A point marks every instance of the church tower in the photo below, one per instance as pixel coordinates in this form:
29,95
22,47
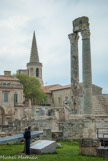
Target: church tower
34,67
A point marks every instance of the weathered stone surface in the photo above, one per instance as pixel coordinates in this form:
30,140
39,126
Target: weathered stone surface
43,147
74,72
80,24
89,146
95,151
88,151
62,116
87,74
89,142
57,135
47,135
78,126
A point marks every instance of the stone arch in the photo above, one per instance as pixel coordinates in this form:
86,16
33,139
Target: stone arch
31,72
2,116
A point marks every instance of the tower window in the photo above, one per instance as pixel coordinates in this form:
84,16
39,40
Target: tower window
28,71
37,72
31,72
15,98
5,97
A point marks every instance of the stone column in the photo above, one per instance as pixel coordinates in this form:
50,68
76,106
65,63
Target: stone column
73,37
87,76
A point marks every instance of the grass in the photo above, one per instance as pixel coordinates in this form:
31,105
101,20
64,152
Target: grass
68,152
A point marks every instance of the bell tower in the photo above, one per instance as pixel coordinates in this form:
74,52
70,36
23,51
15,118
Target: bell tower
34,67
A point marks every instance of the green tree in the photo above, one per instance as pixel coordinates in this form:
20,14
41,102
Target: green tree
32,88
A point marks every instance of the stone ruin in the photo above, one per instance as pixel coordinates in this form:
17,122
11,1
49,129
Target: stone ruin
81,25
68,127
80,126
75,126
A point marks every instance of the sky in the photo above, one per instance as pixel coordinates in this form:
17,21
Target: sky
52,22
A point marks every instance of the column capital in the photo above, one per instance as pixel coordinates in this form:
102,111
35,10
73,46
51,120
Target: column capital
73,37
85,34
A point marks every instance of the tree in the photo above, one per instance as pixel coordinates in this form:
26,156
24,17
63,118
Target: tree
32,88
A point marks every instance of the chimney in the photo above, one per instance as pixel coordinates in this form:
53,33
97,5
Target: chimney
7,73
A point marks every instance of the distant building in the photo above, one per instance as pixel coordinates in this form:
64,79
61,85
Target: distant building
11,99
57,95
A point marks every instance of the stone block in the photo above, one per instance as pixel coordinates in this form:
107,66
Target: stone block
80,23
43,147
89,146
89,142
47,134
88,151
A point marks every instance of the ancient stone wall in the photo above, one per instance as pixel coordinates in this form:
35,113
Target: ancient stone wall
75,128
18,126
78,127
99,105
59,96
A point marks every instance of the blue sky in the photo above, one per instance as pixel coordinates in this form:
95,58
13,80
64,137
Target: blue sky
52,22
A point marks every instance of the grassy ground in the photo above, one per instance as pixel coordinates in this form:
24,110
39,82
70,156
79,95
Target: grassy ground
68,152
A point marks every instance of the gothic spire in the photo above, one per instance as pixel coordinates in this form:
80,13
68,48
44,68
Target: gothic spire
34,52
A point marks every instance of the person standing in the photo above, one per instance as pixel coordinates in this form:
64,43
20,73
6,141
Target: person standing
24,134
27,140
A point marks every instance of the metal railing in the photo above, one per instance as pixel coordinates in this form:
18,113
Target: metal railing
102,133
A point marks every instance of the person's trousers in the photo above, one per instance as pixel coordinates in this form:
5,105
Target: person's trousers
28,146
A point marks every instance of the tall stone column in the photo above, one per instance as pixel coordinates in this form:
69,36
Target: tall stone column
74,71
87,74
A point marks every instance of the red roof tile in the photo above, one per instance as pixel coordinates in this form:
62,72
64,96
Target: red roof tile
7,78
62,87
47,89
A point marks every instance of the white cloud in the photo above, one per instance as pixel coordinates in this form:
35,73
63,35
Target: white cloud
52,21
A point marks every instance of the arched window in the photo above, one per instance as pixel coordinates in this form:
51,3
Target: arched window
28,71
31,72
15,98
37,72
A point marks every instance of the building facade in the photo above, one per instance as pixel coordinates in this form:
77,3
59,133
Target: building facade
57,95
11,99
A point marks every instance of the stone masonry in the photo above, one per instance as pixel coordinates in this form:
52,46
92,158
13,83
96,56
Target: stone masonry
74,71
81,25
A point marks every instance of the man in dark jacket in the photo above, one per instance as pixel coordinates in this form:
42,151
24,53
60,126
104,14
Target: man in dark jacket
24,134
27,137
